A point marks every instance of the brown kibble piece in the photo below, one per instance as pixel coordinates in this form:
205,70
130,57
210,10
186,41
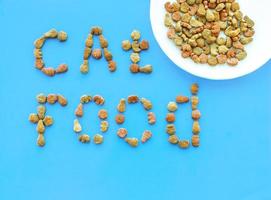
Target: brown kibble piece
79,110
38,53
104,126
99,100
182,99
144,44
41,98
194,102
39,63
120,118
48,121
40,127
40,140
194,88
103,41
133,99
196,128
171,130
98,139
52,98
121,107
41,111
62,100
122,132
170,117
49,71
96,30
85,99
61,68
173,139
51,33
62,36
134,68
107,55
84,138
33,118
102,114
112,66
133,142
39,42
151,118
184,144
146,103
196,114
195,141
146,136
97,53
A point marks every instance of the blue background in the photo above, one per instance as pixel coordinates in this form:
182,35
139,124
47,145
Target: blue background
233,161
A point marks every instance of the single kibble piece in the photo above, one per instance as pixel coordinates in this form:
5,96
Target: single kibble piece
33,118
52,98
133,99
135,35
102,114
196,114
38,53
62,68
135,58
196,127
96,30
89,41
194,102
146,136
194,88
173,139
62,100
133,142
126,45
172,106
77,126
98,139
40,140
51,33
120,118
98,99
85,99
84,68
147,69
104,126
195,141
39,42
134,68
170,117
146,103
135,47
170,129
79,110
62,36
184,144
40,127
112,66
121,107
48,121
107,55
41,98
39,63
182,99
151,118
97,53
122,132
144,44
49,71
103,41
41,111
84,138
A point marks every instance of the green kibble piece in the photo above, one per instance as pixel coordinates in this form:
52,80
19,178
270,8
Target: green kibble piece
173,139
178,41
197,51
135,35
186,18
191,2
201,10
84,138
184,7
168,21
210,16
195,23
98,139
222,49
250,22
85,99
221,41
126,45
246,40
214,49
241,55
220,7
212,61
200,42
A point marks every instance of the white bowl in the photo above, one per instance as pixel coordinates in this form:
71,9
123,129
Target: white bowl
259,50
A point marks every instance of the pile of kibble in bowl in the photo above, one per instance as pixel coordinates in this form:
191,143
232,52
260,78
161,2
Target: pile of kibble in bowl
209,31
